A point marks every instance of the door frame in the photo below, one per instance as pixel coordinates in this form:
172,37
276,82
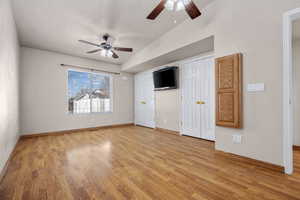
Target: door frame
288,89
189,60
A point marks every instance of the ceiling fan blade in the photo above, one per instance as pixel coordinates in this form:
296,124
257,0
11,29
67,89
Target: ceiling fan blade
94,51
191,9
90,43
123,49
114,55
157,10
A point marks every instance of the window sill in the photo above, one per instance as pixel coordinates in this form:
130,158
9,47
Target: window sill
93,113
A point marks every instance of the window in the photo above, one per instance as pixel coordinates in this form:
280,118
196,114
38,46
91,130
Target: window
89,92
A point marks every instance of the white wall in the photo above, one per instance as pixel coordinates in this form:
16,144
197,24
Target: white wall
44,101
259,37
296,61
9,85
167,105
167,109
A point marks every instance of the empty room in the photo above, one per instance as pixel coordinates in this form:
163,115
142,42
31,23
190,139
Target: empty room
149,100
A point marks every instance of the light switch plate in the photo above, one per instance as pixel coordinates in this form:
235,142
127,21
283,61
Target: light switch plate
256,87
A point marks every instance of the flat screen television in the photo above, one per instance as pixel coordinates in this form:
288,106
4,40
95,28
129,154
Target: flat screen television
166,78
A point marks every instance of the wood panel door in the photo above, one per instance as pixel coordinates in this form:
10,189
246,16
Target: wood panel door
144,100
229,91
198,99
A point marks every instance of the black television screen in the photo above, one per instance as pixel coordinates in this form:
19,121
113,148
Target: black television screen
165,79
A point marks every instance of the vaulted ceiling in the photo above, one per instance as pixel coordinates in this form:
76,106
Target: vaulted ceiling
57,25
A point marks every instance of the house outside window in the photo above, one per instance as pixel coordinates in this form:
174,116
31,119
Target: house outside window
89,92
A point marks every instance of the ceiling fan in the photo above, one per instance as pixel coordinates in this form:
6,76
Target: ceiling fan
106,49
176,5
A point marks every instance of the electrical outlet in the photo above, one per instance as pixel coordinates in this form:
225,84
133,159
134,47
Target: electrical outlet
237,139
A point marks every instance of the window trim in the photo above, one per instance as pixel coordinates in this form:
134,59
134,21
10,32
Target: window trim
111,91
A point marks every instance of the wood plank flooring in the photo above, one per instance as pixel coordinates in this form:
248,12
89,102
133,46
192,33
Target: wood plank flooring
137,163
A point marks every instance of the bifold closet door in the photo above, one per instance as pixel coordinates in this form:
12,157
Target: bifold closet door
198,99
144,100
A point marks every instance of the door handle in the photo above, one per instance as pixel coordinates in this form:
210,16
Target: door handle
200,102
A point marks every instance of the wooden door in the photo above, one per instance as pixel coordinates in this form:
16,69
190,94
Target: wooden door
229,91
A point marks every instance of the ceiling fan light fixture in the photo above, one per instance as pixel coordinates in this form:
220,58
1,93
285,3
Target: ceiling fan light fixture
179,6
170,5
109,53
106,53
174,5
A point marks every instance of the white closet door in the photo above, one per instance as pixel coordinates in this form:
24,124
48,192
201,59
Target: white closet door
190,118
198,99
144,100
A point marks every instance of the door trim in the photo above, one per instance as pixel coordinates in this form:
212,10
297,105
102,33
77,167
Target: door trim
288,93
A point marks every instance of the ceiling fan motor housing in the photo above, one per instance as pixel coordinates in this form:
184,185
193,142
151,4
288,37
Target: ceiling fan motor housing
108,39
106,46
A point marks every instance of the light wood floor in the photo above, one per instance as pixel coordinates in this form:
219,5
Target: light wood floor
137,163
